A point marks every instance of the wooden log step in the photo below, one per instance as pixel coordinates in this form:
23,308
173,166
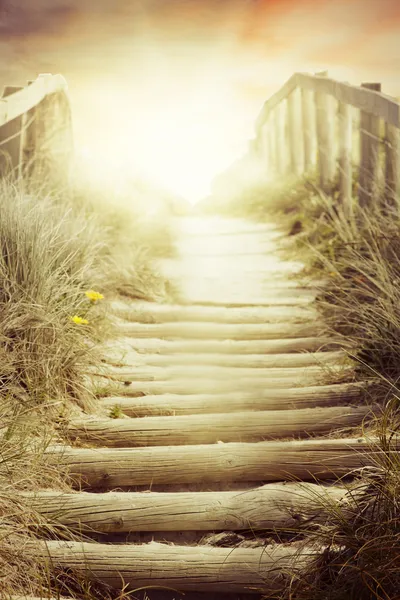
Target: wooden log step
150,373
243,361
182,568
210,384
282,346
210,429
151,312
308,460
264,399
282,297
281,505
218,331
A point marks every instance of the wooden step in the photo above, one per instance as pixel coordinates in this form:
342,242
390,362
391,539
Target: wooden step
202,385
282,346
281,505
108,468
266,399
151,312
280,297
240,361
210,429
218,331
143,372
181,568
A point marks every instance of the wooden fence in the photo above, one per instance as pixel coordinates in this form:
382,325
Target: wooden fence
347,135
35,127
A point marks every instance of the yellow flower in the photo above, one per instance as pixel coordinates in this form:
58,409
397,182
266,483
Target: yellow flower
94,296
79,321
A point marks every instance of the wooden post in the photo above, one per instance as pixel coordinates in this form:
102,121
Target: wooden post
392,173
369,152
325,133
11,139
308,129
265,159
271,146
345,156
294,134
279,139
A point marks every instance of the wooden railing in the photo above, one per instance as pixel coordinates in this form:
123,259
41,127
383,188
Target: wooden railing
35,127
347,135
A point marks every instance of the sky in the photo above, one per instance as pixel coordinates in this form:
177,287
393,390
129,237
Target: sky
170,89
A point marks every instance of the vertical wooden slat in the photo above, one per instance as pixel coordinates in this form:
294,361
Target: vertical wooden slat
392,171
307,98
325,133
265,158
295,134
345,155
271,146
11,140
279,139
369,152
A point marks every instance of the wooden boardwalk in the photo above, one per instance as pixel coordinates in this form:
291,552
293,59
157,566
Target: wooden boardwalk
231,416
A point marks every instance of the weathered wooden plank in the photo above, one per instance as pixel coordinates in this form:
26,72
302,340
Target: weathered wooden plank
325,140
219,331
295,133
169,347
266,399
392,163
270,506
308,122
247,426
369,153
147,373
22,101
203,384
151,312
182,568
11,136
240,361
345,157
373,102
306,460
369,101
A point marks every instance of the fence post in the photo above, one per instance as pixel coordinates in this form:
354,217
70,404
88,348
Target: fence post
307,118
294,134
271,145
392,171
325,132
11,140
369,152
279,139
345,156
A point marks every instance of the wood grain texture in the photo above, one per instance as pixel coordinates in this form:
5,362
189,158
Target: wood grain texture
270,506
370,101
210,429
183,568
219,331
105,468
241,361
281,346
267,399
148,312
22,101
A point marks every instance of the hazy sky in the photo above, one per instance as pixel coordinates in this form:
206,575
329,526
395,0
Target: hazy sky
184,79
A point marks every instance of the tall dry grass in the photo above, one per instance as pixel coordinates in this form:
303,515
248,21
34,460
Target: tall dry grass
56,244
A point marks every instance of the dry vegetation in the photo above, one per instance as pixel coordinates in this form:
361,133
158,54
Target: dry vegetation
56,248
359,252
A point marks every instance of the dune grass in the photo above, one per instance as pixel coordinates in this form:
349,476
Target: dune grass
63,254
358,251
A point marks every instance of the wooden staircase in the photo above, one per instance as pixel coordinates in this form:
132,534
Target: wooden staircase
232,414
